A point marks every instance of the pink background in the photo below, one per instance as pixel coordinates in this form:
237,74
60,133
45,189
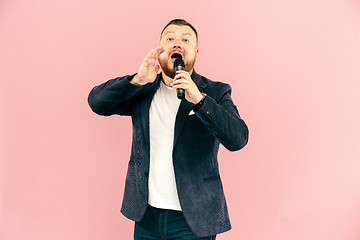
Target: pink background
294,67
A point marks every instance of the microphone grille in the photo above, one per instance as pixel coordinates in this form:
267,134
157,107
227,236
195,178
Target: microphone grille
179,62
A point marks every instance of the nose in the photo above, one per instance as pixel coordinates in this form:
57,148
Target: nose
176,45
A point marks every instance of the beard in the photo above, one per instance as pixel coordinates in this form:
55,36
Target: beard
169,70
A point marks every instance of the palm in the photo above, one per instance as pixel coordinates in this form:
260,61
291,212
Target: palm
149,68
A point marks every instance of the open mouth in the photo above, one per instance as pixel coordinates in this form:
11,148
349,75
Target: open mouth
175,56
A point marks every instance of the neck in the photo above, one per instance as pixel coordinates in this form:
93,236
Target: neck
167,80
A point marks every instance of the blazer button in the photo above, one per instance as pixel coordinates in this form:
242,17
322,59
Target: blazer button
210,115
146,174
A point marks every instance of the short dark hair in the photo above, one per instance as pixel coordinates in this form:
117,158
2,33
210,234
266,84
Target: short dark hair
180,22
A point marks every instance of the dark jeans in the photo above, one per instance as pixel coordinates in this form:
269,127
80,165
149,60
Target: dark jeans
164,224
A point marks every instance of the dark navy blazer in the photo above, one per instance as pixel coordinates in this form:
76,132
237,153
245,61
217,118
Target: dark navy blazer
196,144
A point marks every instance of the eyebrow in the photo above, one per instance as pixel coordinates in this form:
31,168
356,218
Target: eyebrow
181,34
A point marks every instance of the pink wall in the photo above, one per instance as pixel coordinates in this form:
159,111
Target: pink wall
294,67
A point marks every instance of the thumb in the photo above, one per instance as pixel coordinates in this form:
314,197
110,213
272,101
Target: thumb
157,67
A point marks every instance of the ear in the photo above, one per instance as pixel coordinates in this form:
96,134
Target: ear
196,54
197,51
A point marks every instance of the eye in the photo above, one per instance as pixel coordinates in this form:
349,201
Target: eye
169,39
186,40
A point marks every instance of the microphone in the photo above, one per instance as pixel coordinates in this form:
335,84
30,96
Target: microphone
179,65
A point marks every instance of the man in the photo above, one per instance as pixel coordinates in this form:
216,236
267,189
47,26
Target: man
173,188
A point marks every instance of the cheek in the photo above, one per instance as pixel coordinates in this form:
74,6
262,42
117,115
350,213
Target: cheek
191,55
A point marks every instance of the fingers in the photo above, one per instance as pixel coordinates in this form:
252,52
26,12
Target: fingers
182,75
158,50
154,53
149,67
182,80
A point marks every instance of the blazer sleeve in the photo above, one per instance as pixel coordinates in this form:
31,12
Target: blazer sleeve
114,96
222,118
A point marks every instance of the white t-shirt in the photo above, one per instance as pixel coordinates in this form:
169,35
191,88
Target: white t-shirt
162,185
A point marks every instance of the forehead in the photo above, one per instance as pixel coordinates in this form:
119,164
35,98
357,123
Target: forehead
179,29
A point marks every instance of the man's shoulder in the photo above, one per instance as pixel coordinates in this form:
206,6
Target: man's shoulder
214,85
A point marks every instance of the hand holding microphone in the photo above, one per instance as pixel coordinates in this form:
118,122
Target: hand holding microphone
186,88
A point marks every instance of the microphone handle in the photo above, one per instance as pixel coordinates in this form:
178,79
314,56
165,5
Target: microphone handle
180,92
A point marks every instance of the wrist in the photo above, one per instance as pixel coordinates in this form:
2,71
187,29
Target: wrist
198,98
136,80
198,105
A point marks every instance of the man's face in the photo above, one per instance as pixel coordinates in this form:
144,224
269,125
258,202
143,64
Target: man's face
178,40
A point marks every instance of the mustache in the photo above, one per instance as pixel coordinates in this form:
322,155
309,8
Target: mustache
168,68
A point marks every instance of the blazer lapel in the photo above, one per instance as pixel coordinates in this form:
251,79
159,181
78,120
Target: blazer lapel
185,107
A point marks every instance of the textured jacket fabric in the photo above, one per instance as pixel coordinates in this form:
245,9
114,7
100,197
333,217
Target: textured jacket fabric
195,152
